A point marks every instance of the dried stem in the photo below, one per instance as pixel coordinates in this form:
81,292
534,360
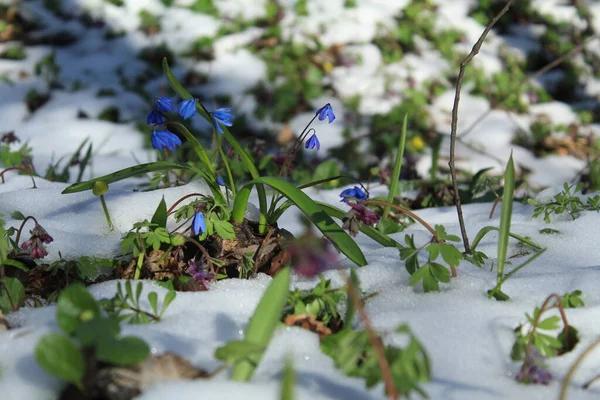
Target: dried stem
403,211
454,124
384,366
18,237
571,372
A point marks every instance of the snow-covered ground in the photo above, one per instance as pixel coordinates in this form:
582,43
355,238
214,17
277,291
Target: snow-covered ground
467,336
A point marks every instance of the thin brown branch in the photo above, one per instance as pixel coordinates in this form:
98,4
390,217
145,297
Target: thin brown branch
384,366
454,124
403,211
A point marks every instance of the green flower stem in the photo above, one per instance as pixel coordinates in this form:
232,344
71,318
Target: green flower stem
106,213
248,163
395,182
226,163
138,266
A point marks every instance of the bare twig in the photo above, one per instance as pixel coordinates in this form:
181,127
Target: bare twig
454,125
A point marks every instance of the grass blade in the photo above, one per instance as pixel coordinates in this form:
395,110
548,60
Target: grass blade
263,323
505,217
395,179
126,173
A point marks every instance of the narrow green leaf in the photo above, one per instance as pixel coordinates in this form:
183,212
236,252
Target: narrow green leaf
263,322
153,300
60,356
160,215
124,351
549,323
505,217
169,297
395,178
126,173
487,229
288,380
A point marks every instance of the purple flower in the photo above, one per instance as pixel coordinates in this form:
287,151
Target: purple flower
200,274
164,138
533,372
223,116
155,118
164,104
356,215
355,192
310,255
326,111
313,142
187,108
198,223
39,236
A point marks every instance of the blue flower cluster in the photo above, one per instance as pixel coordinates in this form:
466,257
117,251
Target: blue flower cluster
324,112
355,193
163,138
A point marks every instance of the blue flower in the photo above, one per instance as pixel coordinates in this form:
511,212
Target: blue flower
326,111
220,181
164,104
198,223
187,108
313,142
355,192
164,138
155,118
223,116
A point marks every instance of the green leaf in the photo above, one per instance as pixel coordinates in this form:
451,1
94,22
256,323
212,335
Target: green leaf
450,254
440,273
434,251
263,322
126,173
237,351
549,323
92,331
18,215
75,304
61,357
169,297
153,300
338,237
124,351
224,229
160,215
12,294
418,275
486,229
